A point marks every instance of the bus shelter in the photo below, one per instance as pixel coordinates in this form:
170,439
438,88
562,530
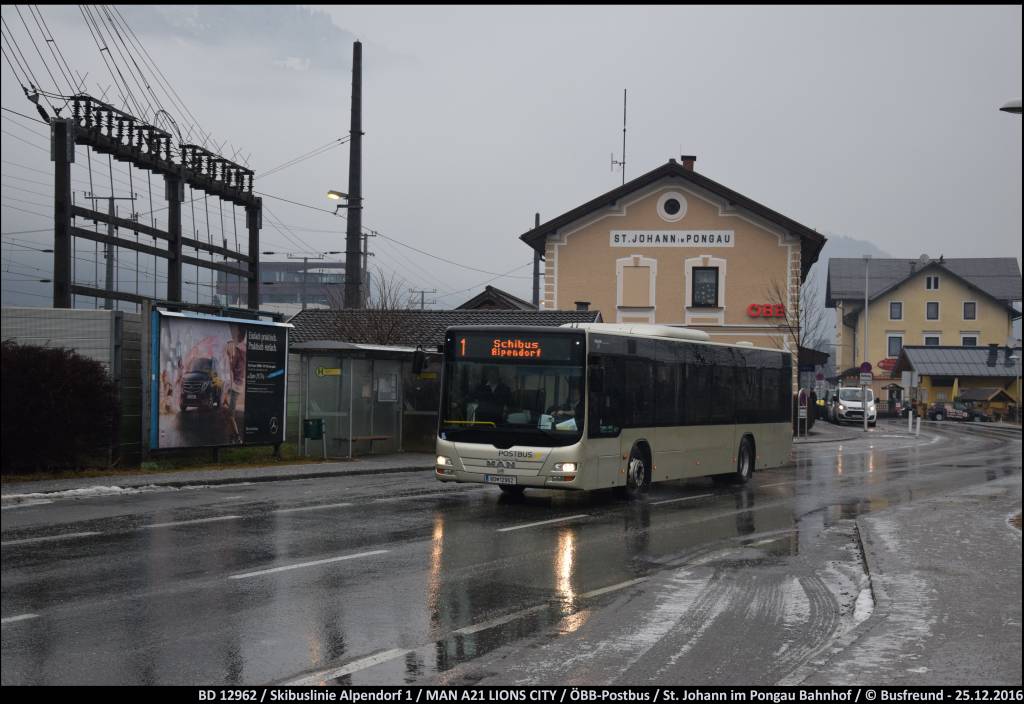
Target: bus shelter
369,398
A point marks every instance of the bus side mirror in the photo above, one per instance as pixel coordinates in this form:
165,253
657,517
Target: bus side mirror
597,380
419,361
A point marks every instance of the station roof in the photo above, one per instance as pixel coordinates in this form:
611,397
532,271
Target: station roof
812,241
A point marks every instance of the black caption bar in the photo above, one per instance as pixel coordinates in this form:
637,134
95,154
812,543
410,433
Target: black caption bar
564,695
599,695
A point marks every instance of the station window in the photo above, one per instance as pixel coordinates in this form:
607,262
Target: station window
932,283
705,286
968,341
932,310
896,310
931,340
970,310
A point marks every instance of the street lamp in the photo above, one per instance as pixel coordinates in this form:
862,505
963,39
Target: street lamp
1012,106
353,237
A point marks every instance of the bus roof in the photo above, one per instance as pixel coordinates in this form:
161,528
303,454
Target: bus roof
654,332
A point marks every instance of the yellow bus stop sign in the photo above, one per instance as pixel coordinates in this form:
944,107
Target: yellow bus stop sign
328,371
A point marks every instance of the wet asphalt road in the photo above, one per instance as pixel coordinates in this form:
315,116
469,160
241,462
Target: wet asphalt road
397,578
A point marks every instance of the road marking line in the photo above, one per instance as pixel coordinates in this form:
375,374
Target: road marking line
300,565
189,523
684,498
476,628
543,523
26,504
354,666
48,538
310,508
612,588
23,617
766,486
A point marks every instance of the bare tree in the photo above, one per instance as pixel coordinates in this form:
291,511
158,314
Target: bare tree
385,319
806,326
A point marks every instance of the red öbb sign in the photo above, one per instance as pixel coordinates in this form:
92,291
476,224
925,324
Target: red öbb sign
766,310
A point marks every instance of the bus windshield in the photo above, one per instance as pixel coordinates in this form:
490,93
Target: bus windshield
513,398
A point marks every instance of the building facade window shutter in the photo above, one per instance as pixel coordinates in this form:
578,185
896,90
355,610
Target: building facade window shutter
636,286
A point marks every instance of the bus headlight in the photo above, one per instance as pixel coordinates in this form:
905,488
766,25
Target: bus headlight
445,465
842,407
566,467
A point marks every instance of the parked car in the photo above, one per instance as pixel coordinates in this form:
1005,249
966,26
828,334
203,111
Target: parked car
201,386
851,405
958,411
948,411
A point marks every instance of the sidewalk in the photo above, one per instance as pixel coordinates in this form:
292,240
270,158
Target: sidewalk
946,580
823,431
379,464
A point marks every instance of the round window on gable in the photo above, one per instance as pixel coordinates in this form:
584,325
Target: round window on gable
671,206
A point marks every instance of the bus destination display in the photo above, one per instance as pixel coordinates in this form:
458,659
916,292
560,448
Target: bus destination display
510,346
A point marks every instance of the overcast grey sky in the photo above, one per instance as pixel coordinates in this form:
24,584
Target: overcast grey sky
878,123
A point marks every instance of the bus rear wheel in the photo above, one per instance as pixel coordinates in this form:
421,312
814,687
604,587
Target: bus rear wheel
744,462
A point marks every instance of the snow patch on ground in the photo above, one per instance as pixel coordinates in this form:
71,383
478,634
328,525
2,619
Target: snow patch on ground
86,493
865,606
796,610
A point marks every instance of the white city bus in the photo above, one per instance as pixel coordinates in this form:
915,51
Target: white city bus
594,405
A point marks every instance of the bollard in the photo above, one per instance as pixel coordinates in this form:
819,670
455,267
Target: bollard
918,426
910,420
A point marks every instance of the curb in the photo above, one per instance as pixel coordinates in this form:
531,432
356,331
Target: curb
840,438
247,480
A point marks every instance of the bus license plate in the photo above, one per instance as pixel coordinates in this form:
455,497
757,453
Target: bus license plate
499,479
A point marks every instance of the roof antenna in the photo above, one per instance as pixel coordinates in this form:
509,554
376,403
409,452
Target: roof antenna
623,162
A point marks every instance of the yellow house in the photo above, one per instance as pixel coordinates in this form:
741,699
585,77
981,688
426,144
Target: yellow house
918,302
987,375
674,247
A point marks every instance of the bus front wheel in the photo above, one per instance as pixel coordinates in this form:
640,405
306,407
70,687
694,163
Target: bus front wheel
638,475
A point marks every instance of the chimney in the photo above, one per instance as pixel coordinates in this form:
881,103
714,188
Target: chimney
582,305
993,354
688,160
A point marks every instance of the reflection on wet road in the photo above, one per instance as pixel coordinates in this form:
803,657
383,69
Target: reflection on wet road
395,579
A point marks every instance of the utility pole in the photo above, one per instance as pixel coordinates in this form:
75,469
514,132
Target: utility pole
354,230
536,267
423,292
108,248
864,389
62,153
364,284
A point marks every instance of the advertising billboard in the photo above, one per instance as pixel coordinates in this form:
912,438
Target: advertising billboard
217,381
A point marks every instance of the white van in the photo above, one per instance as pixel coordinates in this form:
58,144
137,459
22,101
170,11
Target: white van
850,405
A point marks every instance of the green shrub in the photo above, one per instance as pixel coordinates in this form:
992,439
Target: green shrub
59,409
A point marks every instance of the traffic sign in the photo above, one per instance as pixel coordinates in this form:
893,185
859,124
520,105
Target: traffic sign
819,377
865,367
865,378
